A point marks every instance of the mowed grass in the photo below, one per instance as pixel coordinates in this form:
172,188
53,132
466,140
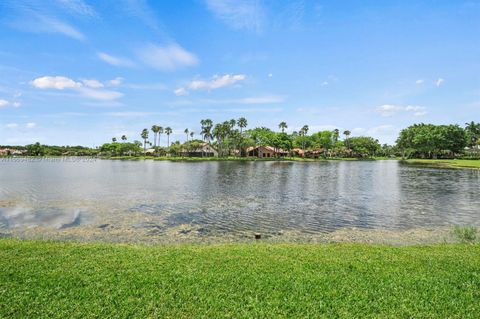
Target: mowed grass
76,280
455,163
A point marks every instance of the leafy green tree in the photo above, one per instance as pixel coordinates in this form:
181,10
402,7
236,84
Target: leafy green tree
364,146
472,130
283,126
323,139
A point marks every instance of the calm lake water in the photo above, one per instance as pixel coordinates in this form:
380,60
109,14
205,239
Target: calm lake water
233,197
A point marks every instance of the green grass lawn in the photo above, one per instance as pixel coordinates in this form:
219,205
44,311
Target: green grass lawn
73,280
455,163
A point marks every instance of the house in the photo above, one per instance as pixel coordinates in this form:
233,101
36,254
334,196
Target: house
265,152
150,151
202,150
298,152
10,151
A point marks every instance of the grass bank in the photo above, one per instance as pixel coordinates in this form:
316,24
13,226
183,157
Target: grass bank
73,280
446,163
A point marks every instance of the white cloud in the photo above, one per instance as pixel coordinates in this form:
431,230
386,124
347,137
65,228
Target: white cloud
270,75
114,60
324,83
180,92
104,95
92,83
419,81
439,82
12,125
16,104
30,125
55,82
167,58
115,82
89,88
216,82
390,109
246,14
4,103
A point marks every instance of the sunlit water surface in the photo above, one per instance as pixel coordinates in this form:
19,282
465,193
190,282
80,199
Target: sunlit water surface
214,199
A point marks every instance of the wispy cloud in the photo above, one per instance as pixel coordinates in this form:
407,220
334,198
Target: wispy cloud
419,81
77,7
439,82
3,103
246,14
90,88
166,58
391,109
42,17
216,82
114,60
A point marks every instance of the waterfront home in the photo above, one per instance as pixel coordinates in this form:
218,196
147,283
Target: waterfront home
298,152
202,150
265,152
10,151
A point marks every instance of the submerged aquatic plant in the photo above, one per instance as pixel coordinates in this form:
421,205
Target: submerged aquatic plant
465,233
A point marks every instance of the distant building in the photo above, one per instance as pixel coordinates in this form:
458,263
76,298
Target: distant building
265,152
10,151
203,150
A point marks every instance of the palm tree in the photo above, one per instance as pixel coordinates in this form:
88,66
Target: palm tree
283,126
155,129
192,134
232,123
206,129
336,135
242,123
160,132
186,132
114,139
144,136
124,138
347,134
303,132
168,131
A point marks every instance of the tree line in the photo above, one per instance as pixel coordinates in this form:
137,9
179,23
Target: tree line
234,138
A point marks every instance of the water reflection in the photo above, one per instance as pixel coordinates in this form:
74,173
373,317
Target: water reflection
309,197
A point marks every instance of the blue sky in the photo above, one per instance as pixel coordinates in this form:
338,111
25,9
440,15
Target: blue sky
81,72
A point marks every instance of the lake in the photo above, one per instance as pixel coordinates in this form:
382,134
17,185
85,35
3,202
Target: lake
168,201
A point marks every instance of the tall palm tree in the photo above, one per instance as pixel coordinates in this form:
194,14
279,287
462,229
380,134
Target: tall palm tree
124,138
242,123
304,132
114,139
160,132
144,136
283,126
168,131
186,132
347,134
232,123
155,130
192,134
207,125
336,135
